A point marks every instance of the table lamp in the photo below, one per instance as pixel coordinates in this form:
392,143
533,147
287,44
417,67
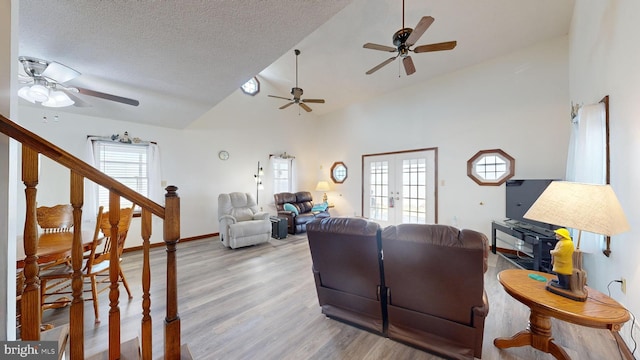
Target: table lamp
323,186
585,207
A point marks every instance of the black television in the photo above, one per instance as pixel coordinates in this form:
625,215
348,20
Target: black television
520,195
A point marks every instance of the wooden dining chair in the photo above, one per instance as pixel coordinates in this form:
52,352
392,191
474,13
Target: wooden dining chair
95,264
96,269
55,279
57,218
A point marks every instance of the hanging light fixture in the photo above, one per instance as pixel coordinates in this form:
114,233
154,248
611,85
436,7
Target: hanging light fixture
57,98
47,96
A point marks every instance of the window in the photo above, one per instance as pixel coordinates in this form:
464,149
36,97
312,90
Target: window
127,163
251,87
282,175
491,167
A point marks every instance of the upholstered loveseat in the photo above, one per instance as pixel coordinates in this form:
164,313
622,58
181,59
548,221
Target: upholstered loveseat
298,209
428,291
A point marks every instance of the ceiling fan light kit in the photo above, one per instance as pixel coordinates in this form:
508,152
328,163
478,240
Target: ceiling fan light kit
48,89
403,40
297,94
46,96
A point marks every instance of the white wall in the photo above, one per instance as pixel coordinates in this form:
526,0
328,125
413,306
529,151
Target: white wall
249,128
518,103
8,106
604,59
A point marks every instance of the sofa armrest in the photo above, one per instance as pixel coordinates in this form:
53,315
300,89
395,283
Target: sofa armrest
482,311
228,219
261,216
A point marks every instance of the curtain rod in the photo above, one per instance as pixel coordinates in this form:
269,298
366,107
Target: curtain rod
282,156
107,138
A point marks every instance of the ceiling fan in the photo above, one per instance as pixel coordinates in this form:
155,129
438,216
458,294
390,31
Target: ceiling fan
404,39
297,93
47,87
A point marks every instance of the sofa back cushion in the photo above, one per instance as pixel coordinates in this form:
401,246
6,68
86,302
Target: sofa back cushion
435,269
304,200
346,253
283,198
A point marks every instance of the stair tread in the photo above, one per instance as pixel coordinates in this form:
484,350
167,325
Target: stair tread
59,334
129,349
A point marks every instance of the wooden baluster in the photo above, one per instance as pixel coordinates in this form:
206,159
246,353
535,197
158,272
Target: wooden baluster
31,313
146,286
171,237
76,312
114,266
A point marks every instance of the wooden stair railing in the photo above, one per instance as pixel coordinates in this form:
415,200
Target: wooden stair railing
32,145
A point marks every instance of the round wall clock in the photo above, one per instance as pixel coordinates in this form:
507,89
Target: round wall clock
223,155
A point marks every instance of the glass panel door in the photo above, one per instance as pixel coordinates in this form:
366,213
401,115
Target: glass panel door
400,188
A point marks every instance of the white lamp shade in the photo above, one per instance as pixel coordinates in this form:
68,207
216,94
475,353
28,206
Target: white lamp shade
322,186
24,93
58,99
38,93
587,207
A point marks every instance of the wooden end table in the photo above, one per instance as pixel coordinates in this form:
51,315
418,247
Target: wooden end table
598,311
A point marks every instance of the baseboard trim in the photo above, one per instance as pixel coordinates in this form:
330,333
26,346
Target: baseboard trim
158,244
506,251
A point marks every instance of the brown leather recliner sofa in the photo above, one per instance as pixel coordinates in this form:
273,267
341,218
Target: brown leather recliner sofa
347,268
302,201
430,287
434,275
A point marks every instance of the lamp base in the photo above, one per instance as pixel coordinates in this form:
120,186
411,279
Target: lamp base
577,295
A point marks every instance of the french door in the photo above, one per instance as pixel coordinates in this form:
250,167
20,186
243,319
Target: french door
400,187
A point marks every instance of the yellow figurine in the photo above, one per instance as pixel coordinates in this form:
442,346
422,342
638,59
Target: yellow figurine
562,258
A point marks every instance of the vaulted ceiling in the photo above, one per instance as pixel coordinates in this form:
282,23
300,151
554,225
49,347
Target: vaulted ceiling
180,59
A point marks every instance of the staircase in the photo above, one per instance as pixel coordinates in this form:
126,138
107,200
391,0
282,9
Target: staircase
32,147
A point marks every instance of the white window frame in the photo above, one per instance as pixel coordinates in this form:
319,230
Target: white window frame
282,175
138,177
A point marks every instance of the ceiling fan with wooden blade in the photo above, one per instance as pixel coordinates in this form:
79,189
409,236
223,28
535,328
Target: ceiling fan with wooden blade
297,94
47,85
403,40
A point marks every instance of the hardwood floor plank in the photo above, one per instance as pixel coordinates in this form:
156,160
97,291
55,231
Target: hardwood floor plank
260,302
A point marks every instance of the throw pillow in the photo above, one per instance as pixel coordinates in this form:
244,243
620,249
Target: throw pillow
320,207
290,207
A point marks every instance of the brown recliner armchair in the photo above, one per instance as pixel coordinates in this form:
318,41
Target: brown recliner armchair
300,212
434,276
347,267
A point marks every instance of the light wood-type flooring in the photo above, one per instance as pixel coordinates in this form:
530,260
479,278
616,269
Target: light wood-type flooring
260,303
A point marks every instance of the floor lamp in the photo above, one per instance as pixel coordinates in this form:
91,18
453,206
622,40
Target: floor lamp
259,186
585,207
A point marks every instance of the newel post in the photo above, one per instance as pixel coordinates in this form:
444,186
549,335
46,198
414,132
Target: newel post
171,237
30,305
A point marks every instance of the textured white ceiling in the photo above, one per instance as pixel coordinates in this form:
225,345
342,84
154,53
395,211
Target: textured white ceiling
181,58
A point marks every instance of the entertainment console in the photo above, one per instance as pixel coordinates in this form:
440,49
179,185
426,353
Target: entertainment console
528,247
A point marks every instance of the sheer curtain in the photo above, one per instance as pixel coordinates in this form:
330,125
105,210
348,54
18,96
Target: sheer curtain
282,170
155,191
90,207
586,160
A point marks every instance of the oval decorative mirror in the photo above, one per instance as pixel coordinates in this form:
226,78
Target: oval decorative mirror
338,172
